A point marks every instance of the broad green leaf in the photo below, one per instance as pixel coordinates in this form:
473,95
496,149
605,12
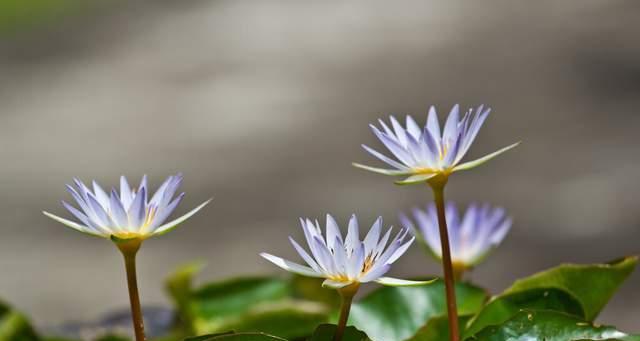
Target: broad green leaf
326,332
311,289
437,329
179,285
289,320
396,313
502,308
237,337
244,305
591,285
581,290
14,326
548,326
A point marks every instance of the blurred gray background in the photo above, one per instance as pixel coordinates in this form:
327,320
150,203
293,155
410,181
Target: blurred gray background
264,104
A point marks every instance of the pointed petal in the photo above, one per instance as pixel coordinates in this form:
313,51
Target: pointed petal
333,232
174,223
451,126
480,161
76,213
392,172
356,262
384,158
395,282
413,128
414,179
401,133
101,195
373,236
163,213
393,146
291,266
73,225
400,251
126,194
103,218
353,234
376,272
303,253
159,194
432,124
118,213
137,211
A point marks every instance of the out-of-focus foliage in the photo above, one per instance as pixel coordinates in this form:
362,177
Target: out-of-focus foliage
397,313
557,304
18,15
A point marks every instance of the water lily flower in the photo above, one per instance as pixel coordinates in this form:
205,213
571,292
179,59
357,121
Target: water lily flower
125,214
127,217
424,153
472,236
347,261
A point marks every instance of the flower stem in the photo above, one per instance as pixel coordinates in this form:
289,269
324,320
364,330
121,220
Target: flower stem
449,281
347,293
129,249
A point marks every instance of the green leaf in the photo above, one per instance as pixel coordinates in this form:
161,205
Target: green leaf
14,326
396,313
548,326
245,305
293,319
310,288
437,329
591,285
236,337
326,332
581,290
502,308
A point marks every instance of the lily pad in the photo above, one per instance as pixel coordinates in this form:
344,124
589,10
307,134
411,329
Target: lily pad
397,313
580,290
548,326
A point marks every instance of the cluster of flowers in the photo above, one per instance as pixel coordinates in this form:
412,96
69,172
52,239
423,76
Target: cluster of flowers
423,155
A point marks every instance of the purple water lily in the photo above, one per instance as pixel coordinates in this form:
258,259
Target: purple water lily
471,236
125,214
343,262
422,153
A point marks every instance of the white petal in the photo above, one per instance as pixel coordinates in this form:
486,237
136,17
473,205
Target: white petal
73,225
174,223
392,172
373,236
353,235
291,266
432,124
480,161
384,158
395,282
126,194
303,253
451,126
333,232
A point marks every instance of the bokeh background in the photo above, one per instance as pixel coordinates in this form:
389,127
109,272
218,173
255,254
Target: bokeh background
264,104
